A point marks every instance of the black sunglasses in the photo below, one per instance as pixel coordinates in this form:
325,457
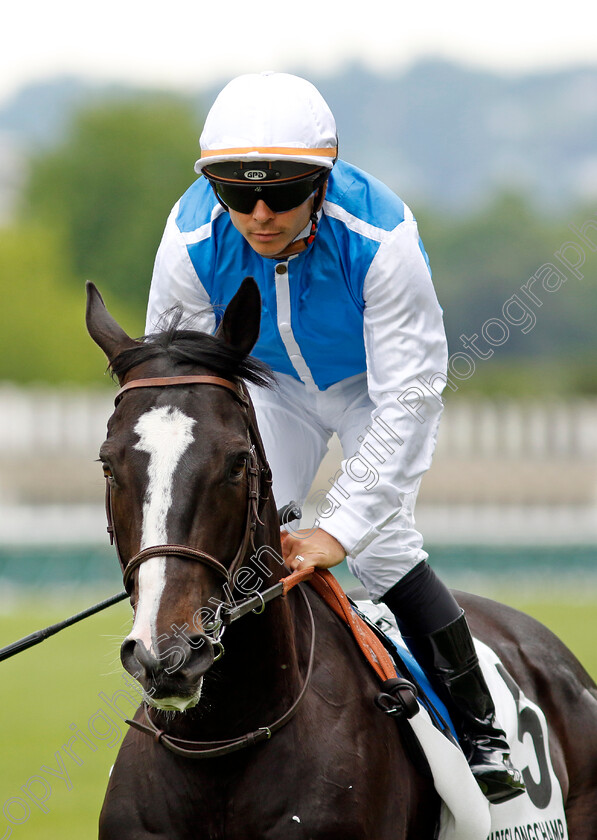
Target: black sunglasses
279,197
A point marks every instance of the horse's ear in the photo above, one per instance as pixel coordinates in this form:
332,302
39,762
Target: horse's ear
240,325
102,327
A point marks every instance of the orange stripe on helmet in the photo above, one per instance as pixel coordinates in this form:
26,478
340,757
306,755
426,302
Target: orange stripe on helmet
271,150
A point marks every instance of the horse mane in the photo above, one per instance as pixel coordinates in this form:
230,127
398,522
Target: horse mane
179,346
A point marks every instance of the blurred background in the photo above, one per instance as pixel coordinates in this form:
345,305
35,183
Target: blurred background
487,130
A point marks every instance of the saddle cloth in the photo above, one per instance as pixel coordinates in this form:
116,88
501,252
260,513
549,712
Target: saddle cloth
465,813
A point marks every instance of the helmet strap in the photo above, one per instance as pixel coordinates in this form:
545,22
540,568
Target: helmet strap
313,232
317,204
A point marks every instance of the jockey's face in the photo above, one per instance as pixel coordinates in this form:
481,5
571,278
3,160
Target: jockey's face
269,233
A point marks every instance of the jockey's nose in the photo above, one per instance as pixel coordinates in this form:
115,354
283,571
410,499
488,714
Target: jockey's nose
177,661
261,212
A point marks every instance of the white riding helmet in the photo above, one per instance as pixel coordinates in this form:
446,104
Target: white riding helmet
269,116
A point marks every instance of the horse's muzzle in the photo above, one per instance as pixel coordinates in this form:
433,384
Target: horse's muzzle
174,672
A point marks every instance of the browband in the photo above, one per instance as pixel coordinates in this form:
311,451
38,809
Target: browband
163,381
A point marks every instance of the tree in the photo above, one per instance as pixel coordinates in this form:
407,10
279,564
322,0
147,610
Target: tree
43,336
489,269
109,187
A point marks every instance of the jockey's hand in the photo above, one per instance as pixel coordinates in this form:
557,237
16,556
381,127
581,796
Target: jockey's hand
308,547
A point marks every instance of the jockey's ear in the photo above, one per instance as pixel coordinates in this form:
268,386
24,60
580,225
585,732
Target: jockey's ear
242,318
319,198
102,327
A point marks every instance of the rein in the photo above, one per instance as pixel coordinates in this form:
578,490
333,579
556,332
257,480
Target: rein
216,749
259,474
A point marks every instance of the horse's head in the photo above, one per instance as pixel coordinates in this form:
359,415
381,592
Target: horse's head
185,476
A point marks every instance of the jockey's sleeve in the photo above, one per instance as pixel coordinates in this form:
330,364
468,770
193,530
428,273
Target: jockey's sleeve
406,372
175,281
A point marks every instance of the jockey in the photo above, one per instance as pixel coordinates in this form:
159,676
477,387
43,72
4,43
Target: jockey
352,327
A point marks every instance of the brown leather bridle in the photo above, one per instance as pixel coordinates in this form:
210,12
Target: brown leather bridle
260,481
259,485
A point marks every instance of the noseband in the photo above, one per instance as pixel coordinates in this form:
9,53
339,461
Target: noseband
259,484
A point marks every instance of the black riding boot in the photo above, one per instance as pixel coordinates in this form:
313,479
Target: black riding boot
449,658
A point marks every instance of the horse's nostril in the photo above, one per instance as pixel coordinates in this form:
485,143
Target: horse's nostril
198,641
127,654
136,659
186,659
200,656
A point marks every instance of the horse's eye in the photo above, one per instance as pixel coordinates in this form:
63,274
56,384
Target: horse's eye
107,471
239,466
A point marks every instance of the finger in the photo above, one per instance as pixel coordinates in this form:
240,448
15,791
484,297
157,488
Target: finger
290,547
299,562
294,562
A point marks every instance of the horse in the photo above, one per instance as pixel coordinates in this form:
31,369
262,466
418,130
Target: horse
266,731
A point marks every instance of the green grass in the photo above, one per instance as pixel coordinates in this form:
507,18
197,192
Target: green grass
53,686
43,693
574,621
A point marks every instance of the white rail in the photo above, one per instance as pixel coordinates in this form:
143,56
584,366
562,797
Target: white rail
44,421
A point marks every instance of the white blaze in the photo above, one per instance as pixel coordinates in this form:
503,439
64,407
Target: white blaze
165,434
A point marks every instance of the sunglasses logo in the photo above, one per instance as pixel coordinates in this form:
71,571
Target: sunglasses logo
255,174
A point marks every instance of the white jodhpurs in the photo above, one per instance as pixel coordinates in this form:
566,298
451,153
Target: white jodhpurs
296,424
